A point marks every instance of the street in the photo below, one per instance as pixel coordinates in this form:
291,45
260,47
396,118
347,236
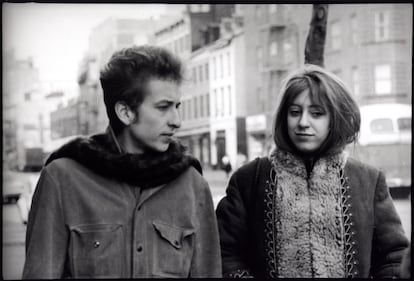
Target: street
14,230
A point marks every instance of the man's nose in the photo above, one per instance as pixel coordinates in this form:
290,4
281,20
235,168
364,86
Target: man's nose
175,119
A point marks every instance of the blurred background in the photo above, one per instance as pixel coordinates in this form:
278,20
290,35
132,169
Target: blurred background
236,57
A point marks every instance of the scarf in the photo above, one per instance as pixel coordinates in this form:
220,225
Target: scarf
101,154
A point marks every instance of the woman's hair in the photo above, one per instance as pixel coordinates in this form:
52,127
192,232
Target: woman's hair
329,91
126,76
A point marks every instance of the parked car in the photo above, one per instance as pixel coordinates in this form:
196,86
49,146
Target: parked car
13,186
385,141
18,187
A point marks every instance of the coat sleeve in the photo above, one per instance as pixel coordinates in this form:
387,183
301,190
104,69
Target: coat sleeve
46,236
206,261
389,242
233,224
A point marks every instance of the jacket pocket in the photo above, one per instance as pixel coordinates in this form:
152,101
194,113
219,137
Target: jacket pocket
173,249
97,250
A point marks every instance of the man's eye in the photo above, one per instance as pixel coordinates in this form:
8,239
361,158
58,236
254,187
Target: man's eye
163,107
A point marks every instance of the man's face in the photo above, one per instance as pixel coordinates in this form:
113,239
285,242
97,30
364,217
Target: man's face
158,117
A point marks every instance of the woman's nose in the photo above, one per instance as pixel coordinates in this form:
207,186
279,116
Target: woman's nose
304,121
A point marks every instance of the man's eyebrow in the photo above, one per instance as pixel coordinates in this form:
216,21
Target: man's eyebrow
164,101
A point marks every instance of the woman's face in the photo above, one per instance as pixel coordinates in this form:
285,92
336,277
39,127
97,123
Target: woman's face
307,122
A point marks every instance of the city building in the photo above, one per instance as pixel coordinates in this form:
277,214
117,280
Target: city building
368,45
228,105
196,27
22,110
193,36
195,107
105,39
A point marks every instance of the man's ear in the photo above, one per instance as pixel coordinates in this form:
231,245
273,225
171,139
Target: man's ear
124,113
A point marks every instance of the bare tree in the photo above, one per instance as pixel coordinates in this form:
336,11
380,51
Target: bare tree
315,42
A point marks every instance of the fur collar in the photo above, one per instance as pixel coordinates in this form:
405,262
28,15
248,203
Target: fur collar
309,227
100,154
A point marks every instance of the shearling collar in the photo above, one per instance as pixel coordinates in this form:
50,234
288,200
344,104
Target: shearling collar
100,154
296,165
308,217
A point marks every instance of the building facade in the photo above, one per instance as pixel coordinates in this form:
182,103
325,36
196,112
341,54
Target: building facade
22,110
368,45
105,39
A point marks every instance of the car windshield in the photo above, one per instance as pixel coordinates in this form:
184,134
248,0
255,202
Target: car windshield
382,125
404,124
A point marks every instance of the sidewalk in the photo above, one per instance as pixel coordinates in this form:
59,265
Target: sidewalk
217,181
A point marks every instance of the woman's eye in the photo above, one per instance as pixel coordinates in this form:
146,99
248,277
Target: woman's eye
294,112
317,113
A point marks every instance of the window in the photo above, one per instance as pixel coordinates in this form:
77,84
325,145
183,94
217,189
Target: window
287,49
273,48
215,103
214,68
228,64
382,25
221,66
335,36
27,96
181,44
205,8
382,125
222,97
355,80
272,8
195,75
259,56
195,100
354,29
208,104
195,8
200,73
206,70
229,98
125,39
404,124
258,12
187,42
176,46
382,79
202,106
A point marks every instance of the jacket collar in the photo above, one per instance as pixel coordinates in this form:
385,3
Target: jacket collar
102,154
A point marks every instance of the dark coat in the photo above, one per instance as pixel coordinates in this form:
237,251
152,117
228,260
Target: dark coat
374,234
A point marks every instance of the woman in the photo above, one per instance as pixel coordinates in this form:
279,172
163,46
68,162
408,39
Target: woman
309,210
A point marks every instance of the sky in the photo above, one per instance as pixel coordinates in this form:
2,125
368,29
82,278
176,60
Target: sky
56,35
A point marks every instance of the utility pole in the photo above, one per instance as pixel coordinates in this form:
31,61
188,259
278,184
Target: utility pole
315,42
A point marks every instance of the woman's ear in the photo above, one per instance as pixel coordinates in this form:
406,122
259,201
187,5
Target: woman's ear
124,113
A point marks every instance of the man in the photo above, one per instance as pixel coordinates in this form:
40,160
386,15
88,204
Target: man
127,203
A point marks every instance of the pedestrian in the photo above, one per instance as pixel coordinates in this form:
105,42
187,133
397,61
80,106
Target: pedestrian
226,165
308,210
127,203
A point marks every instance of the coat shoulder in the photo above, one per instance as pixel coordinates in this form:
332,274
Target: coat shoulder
357,167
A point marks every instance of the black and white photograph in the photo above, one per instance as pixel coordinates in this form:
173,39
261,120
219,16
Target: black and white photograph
196,140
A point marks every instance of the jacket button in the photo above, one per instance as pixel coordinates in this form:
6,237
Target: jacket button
96,244
139,248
